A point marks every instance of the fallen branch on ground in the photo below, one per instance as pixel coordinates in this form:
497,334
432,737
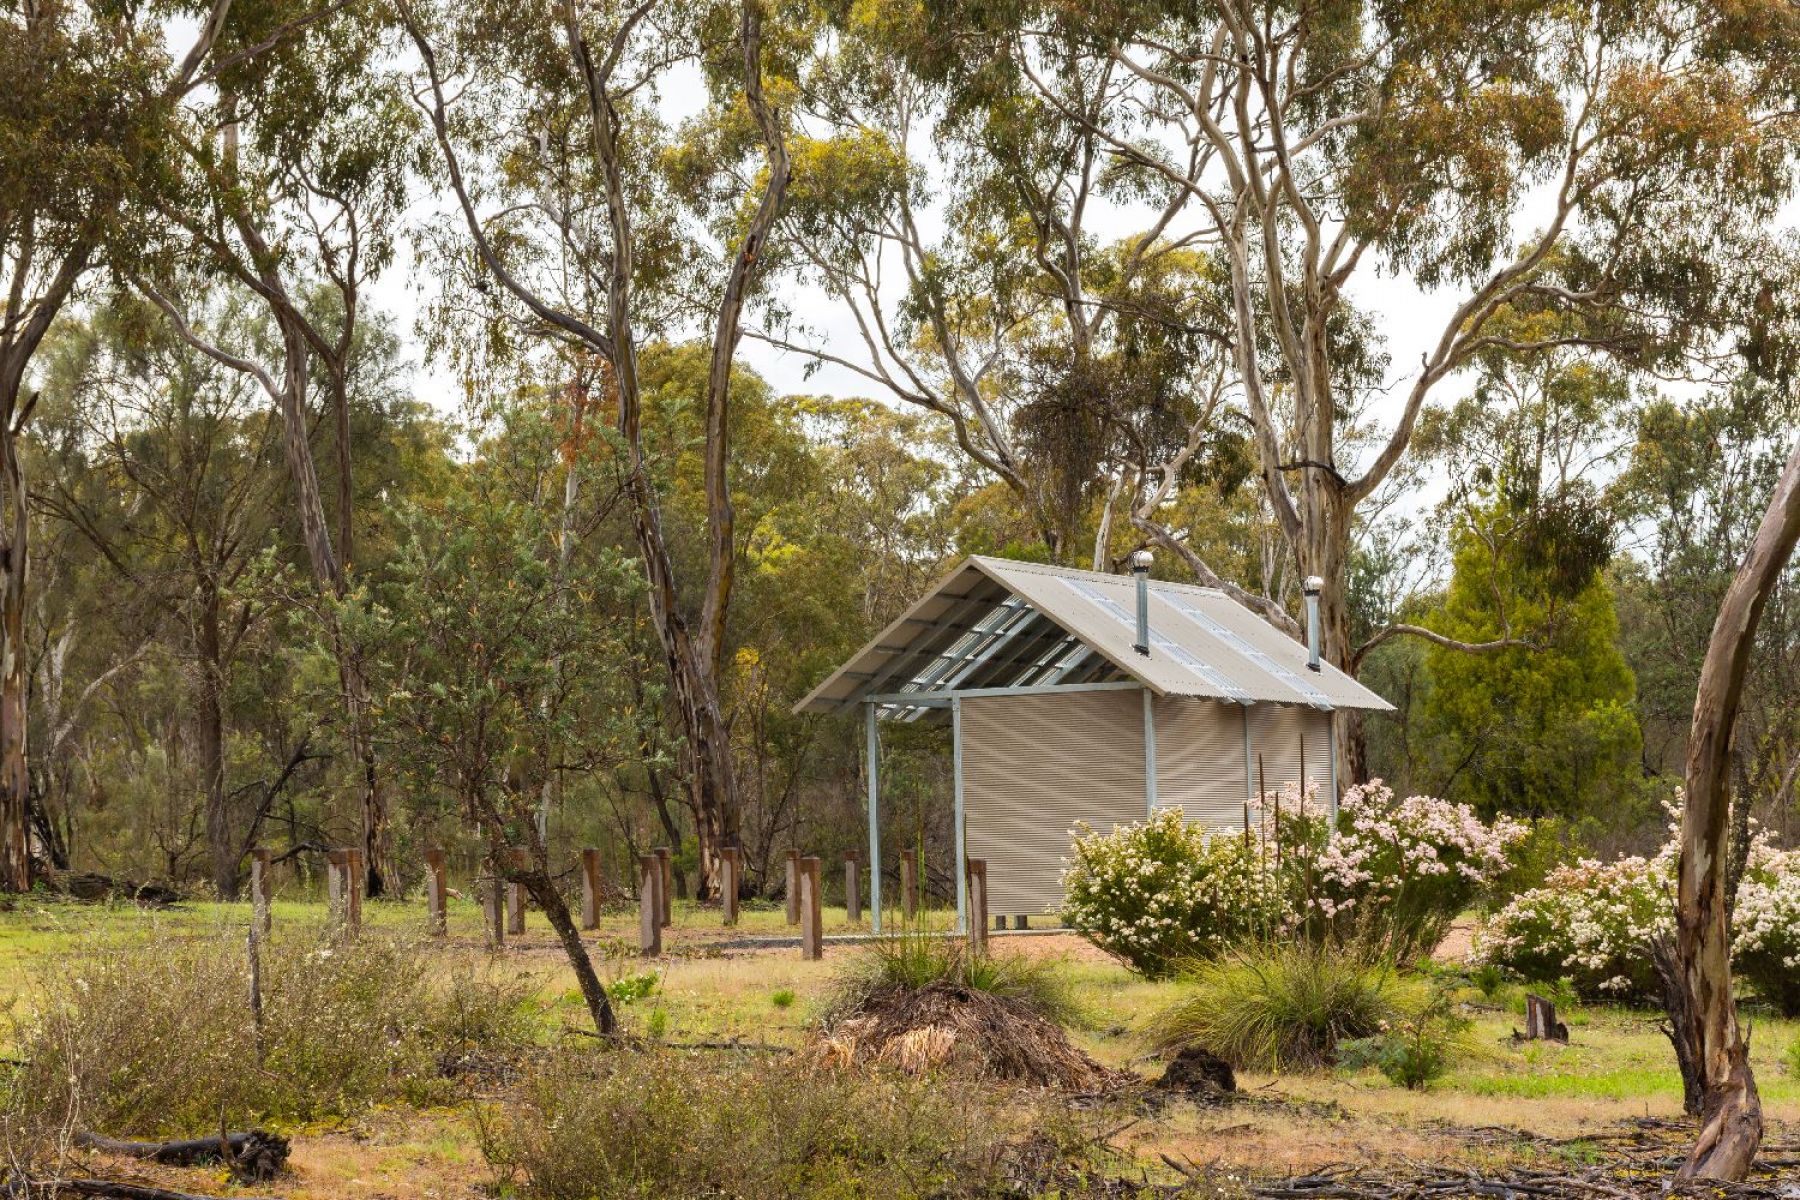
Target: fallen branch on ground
252,1155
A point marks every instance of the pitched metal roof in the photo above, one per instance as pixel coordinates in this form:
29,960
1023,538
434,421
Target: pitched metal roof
995,622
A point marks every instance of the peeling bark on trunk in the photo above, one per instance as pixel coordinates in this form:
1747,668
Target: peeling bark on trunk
1731,1111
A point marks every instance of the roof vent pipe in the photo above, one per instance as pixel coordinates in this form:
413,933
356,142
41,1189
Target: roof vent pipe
1311,588
1140,567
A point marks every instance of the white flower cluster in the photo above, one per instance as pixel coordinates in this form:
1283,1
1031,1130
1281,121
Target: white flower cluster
1592,922
1161,892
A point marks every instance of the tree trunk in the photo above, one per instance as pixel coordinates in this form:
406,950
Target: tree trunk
543,891
210,719
1731,1111
15,781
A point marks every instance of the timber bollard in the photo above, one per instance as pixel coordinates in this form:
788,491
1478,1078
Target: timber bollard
358,879
852,887
493,909
590,888
343,887
978,905
909,884
649,905
515,895
812,939
793,887
261,889
731,878
437,916
665,885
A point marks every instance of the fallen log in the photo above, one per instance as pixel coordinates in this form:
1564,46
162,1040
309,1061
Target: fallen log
109,1189
254,1155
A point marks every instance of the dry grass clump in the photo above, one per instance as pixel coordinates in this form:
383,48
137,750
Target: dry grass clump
920,1003
608,1122
157,1037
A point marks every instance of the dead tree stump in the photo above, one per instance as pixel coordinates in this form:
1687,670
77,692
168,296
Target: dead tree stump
1541,1024
493,906
515,895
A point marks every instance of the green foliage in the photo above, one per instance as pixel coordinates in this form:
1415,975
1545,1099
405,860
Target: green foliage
782,998
1283,1006
1416,1048
157,1037
589,1123
1541,729
636,986
914,959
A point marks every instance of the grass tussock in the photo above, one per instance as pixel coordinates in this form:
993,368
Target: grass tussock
1284,1007
913,961
157,1037
602,1122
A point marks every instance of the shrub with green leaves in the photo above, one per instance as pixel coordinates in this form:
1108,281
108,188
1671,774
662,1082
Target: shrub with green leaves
1591,923
1162,893
1765,926
1284,1006
1417,1048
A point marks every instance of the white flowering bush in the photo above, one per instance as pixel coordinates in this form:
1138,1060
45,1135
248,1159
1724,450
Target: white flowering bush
1391,878
1161,893
1398,871
1590,923
1765,925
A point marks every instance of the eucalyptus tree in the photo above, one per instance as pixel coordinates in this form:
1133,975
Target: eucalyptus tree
553,152
180,496
1608,160
84,134
295,166
1604,160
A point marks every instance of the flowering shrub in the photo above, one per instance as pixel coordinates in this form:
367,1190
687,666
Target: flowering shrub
1590,923
1393,876
1163,892
1399,871
1765,926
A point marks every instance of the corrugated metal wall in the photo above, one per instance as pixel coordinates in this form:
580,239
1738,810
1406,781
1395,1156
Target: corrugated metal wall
1200,760
1276,733
1035,765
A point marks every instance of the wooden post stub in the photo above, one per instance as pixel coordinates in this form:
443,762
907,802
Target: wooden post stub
1541,1024
731,879
665,887
493,908
793,887
649,905
978,905
515,894
262,893
590,888
812,939
852,887
437,916
353,889
909,884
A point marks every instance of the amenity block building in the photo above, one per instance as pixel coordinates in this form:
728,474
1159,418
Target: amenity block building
1077,696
